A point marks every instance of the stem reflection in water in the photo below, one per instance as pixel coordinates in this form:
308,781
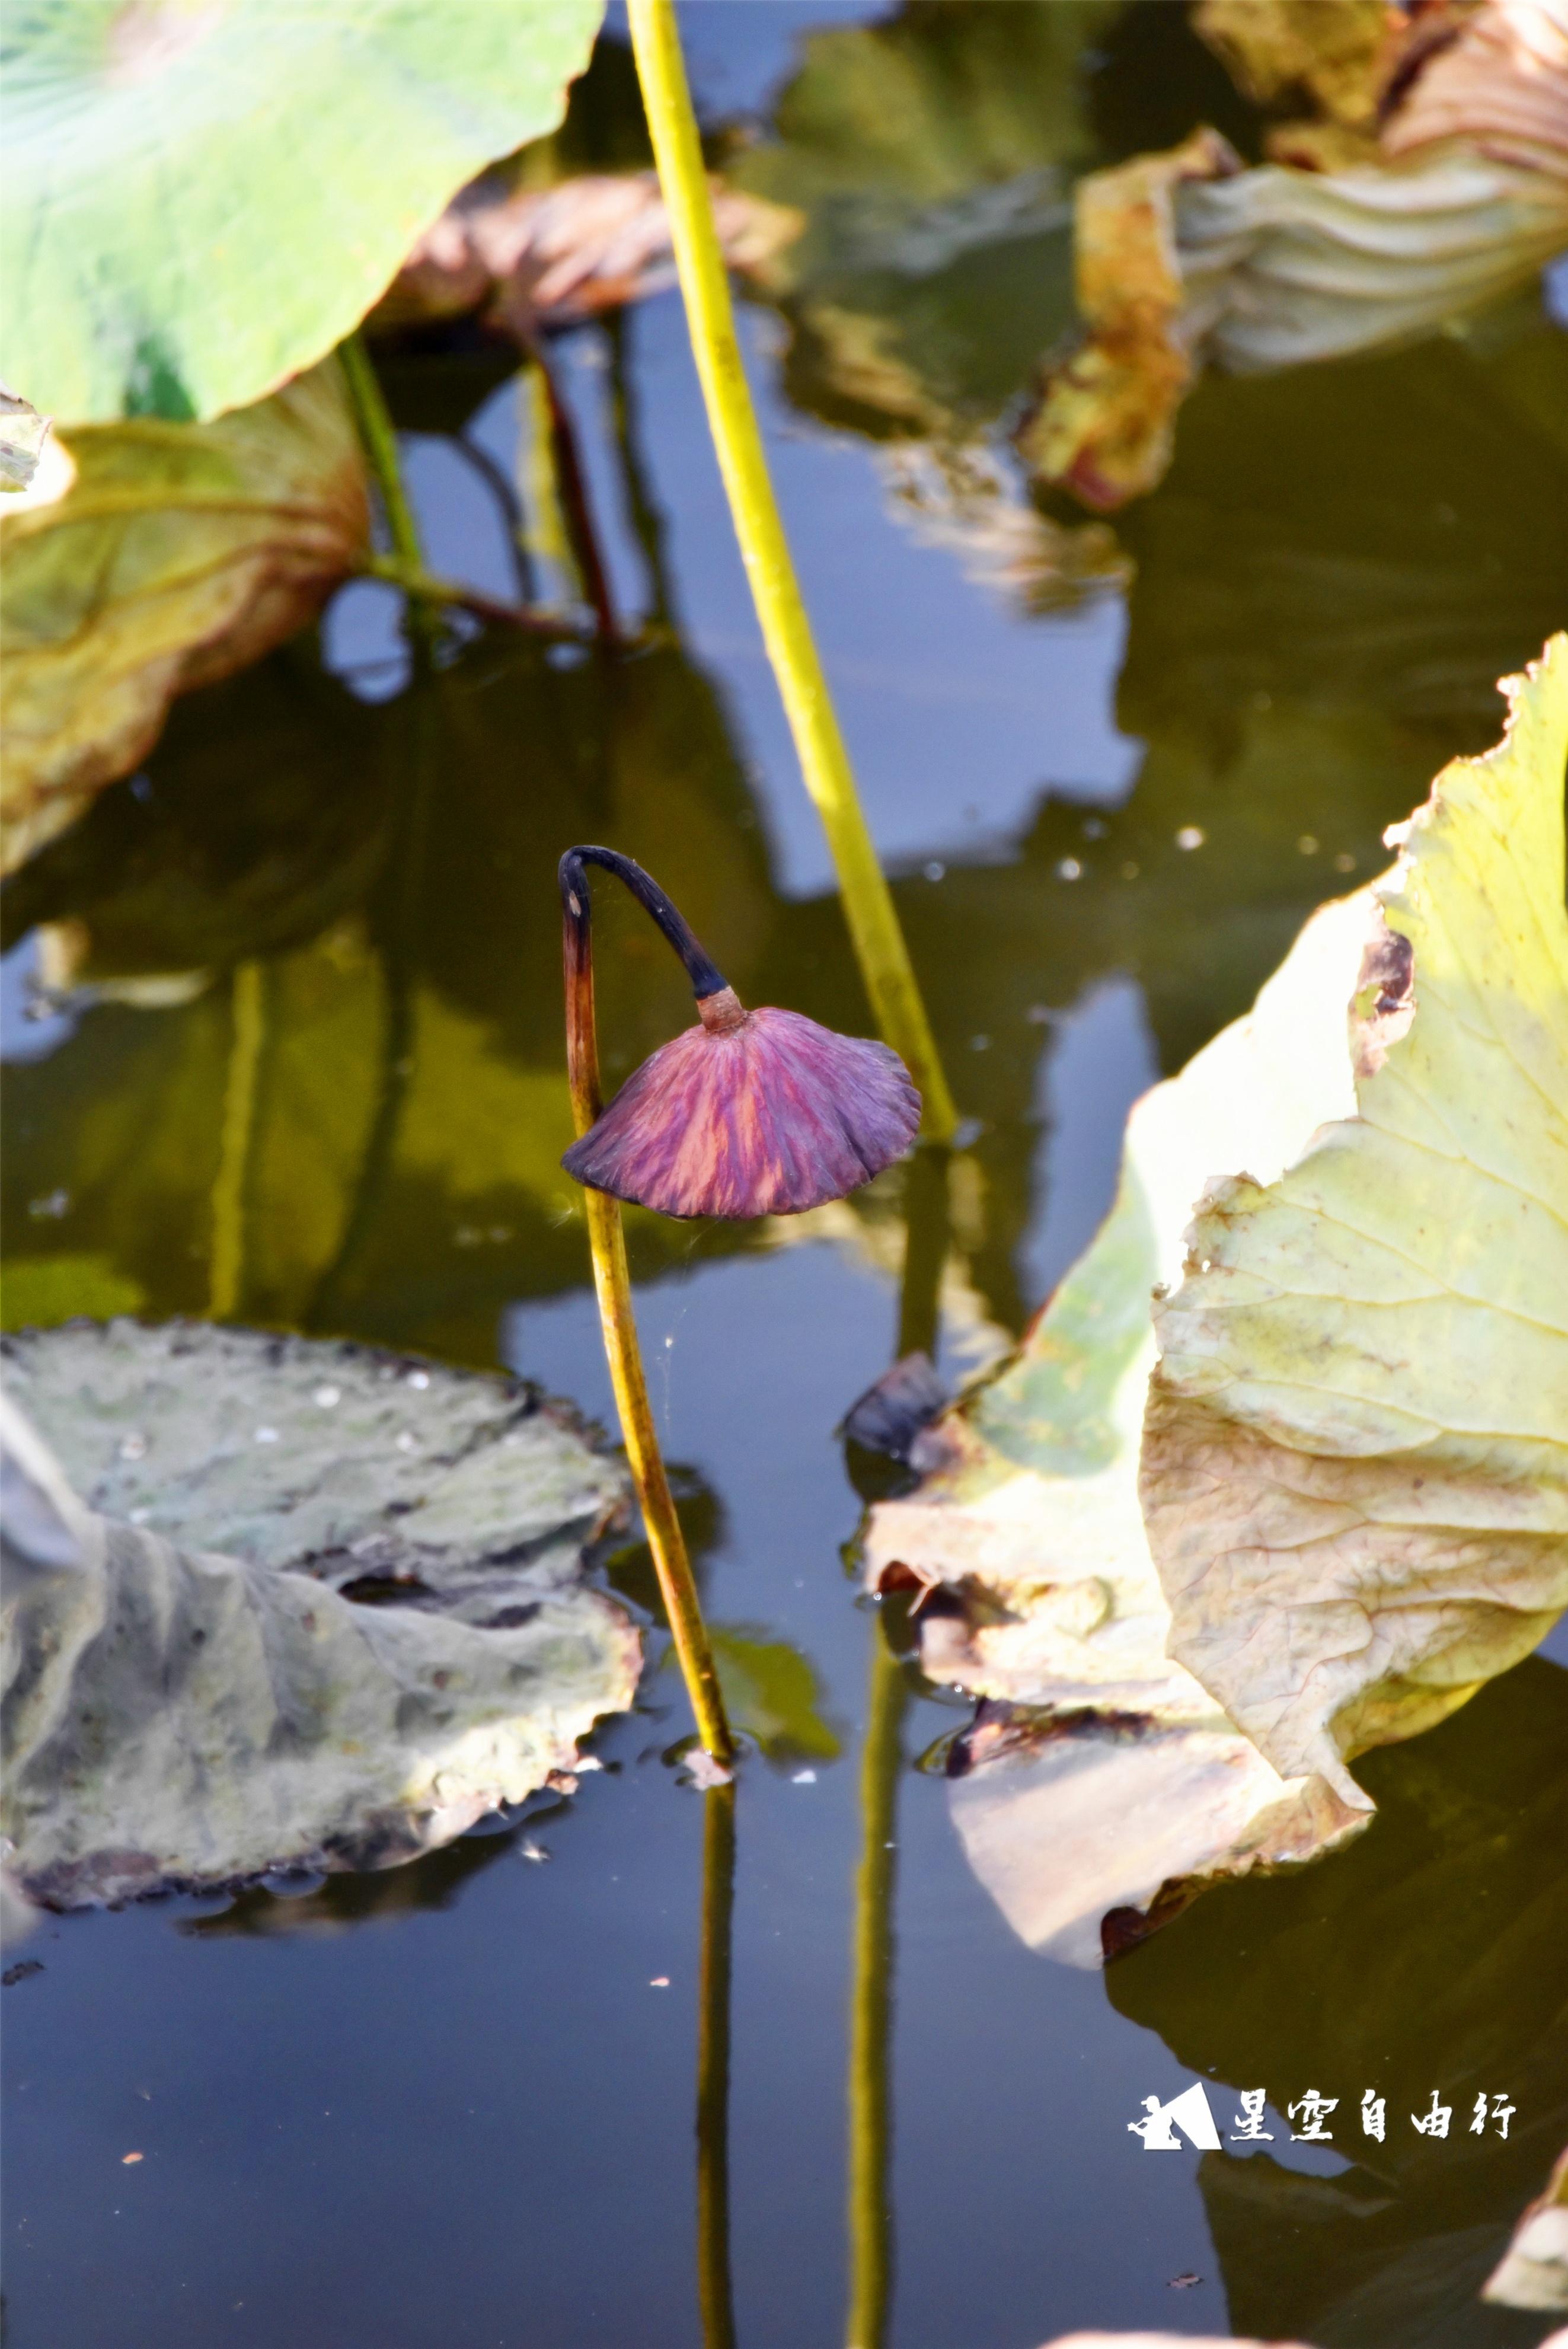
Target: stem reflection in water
396,915
236,1148
927,1222
871,2011
713,2295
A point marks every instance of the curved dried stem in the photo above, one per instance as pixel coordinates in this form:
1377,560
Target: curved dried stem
613,1284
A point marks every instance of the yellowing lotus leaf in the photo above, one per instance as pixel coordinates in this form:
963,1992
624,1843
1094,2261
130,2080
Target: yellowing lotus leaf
1101,1771
151,557
1354,1475
1154,1674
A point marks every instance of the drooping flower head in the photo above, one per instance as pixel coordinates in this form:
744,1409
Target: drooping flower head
748,1113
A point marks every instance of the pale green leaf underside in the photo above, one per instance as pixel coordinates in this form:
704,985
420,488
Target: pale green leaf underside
1355,1451
204,196
1355,1456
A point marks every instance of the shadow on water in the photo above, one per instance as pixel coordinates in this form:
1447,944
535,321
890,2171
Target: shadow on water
1428,1956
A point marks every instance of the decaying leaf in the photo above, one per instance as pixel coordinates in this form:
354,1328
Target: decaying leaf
1355,1451
310,141
546,257
1502,82
1107,424
163,556
1332,59
1101,1771
1120,1754
177,1716
1534,2272
1184,259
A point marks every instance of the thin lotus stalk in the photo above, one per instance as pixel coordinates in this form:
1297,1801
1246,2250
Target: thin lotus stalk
878,942
379,440
539,488
236,1142
613,1285
576,511
871,2008
715,2298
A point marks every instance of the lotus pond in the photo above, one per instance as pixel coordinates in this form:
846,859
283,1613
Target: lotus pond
283,1019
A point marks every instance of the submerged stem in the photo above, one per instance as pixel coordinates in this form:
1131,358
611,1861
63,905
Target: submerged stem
869,909
613,1284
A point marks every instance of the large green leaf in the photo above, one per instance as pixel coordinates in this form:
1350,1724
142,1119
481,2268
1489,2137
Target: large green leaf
1355,1452
171,555
206,195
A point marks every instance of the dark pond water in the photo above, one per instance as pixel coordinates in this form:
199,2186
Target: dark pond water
445,2108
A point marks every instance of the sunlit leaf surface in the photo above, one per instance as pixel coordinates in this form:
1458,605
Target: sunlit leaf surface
169,554
1355,1455
203,200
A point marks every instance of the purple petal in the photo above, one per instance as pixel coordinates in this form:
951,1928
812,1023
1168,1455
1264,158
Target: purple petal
774,1116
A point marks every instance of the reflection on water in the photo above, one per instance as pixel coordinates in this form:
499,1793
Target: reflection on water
1429,1955
309,1072
716,2298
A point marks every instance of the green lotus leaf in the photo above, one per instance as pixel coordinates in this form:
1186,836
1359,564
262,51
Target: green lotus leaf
205,196
171,555
1354,1470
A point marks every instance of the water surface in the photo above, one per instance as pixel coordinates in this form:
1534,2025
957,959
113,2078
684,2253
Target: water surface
447,2104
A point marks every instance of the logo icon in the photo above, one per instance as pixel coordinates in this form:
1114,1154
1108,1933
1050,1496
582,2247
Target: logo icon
1189,2112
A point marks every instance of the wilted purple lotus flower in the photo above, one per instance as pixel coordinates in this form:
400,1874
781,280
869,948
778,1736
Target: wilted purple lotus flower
753,1112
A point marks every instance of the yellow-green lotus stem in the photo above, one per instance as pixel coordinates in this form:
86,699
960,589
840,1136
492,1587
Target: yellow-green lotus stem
867,902
378,438
613,1285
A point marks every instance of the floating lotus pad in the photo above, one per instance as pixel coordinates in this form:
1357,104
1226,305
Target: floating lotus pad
178,1716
